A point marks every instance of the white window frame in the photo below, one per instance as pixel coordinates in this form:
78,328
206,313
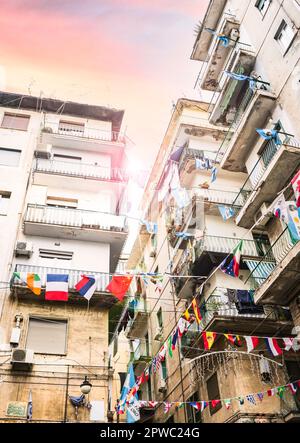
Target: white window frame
12,151
265,6
283,39
4,202
13,117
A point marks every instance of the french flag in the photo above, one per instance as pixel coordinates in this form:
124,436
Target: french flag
273,346
86,286
57,287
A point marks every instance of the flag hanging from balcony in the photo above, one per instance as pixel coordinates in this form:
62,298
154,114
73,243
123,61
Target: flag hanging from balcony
57,287
33,281
226,211
175,156
86,286
233,267
251,342
152,228
296,187
119,285
273,346
214,172
208,339
196,311
241,77
279,208
293,221
270,135
221,37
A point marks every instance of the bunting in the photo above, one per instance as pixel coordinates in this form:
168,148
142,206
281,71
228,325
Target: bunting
208,339
196,311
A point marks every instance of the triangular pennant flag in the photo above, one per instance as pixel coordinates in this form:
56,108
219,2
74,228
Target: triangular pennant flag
241,400
215,403
170,346
167,407
196,405
227,403
260,396
174,339
280,391
204,404
251,399
234,339
271,392
251,342
186,315
182,326
293,388
288,343
208,339
152,404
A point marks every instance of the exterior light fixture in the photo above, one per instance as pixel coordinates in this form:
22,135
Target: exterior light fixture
85,386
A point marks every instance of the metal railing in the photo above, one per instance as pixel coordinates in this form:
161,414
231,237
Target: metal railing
280,249
82,131
193,154
225,245
75,218
78,169
102,279
141,352
262,164
220,196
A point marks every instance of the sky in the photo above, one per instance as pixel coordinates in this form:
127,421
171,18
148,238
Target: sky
128,54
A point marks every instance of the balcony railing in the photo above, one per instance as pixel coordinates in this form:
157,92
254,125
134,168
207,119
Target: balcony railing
102,279
262,269
193,154
75,218
76,169
225,245
262,164
223,197
83,132
141,353
138,322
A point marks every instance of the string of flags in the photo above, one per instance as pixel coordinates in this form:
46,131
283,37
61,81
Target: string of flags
201,405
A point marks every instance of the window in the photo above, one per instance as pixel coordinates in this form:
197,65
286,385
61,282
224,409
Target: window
263,5
60,255
66,158
61,202
284,36
47,336
213,393
71,128
163,369
193,416
9,157
15,121
4,202
159,318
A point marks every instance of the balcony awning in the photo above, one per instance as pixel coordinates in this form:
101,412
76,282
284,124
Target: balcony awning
260,270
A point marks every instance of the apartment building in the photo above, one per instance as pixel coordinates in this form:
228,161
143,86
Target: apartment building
260,41
63,199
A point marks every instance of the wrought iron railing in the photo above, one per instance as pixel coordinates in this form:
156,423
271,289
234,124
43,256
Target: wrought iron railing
75,218
262,164
76,169
102,278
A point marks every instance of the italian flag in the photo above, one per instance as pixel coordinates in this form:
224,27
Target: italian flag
233,267
33,281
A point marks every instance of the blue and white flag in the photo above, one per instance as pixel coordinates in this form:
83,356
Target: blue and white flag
221,37
131,415
251,399
270,135
293,220
241,77
181,197
226,211
151,227
214,172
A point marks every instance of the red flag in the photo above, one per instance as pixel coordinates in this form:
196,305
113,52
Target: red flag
208,339
196,311
214,403
119,285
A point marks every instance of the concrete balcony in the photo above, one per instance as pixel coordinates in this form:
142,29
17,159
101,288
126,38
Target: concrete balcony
83,138
237,57
189,156
101,297
204,38
222,315
49,221
138,324
140,357
253,112
278,284
78,170
274,168
210,251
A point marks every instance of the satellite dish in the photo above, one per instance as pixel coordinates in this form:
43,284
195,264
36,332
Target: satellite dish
296,79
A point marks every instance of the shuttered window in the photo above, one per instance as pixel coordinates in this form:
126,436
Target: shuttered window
213,393
15,121
4,202
9,157
47,336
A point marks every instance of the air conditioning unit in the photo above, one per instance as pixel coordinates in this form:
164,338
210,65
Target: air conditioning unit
24,248
22,359
263,214
162,385
158,334
43,150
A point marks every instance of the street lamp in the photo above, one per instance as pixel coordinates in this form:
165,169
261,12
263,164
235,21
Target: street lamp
85,386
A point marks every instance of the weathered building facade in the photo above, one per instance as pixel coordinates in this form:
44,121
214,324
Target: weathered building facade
63,188
261,44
